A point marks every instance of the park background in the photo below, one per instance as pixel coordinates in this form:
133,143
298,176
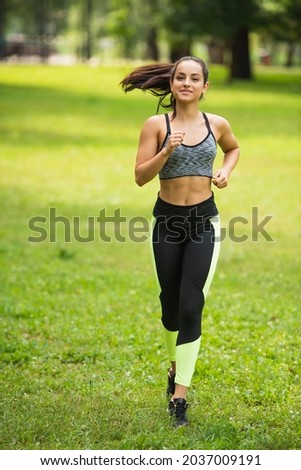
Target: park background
83,363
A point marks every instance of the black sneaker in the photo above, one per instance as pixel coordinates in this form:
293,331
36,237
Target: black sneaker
180,412
170,383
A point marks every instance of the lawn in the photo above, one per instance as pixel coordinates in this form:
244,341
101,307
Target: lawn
83,363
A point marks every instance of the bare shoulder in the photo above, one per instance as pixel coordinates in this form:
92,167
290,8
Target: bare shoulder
154,128
222,132
220,127
218,121
154,122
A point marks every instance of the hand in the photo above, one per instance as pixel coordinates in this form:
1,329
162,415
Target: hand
220,178
174,141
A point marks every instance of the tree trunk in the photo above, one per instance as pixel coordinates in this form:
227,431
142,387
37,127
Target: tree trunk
152,44
89,30
3,18
216,50
42,29
241,65
86,19
180,49
290,54
3,11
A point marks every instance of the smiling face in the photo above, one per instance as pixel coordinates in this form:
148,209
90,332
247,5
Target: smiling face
188,82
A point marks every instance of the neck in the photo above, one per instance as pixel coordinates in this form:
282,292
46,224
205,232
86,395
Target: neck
187,113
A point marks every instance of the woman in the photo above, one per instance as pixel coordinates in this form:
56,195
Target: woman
180,147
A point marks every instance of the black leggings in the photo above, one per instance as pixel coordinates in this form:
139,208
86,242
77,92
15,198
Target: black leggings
186,246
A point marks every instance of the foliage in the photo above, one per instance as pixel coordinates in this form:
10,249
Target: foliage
33,18
217,19
282,21
138,26
130,21
211,17
83,364
123,23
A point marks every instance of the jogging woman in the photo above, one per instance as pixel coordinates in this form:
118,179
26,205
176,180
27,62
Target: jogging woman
180,146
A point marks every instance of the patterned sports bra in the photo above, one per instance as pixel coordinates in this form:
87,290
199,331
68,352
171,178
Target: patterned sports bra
190,160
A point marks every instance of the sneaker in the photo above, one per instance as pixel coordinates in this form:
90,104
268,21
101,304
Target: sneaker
170,383
180,412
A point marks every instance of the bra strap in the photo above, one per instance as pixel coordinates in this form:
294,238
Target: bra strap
167,123
207,122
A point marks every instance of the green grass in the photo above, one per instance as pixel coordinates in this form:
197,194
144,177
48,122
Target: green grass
83,363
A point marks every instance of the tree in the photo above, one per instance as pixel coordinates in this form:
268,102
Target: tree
282,24
4,8
229,21
39,21
85,14
3,17
152,26
180,20
135,23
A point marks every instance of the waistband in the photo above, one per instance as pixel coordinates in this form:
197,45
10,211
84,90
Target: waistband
205,209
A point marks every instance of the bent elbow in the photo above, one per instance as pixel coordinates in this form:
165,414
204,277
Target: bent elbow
139,181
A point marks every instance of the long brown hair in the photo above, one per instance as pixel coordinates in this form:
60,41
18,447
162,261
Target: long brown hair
156,79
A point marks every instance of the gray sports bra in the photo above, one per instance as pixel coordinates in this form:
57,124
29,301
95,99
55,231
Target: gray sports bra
190,160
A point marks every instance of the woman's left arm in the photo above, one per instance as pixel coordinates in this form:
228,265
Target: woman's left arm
229,145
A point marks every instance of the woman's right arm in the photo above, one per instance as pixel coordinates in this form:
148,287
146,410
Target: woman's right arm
149,161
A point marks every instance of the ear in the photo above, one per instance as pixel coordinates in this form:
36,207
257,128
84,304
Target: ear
206,86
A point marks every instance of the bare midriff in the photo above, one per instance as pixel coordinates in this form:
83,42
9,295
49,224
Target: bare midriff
185,190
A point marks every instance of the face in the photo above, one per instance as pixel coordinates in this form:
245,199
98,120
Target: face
188,82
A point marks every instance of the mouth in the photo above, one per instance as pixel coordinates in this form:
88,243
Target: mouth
185,91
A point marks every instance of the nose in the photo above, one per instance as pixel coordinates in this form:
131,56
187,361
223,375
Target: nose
186,82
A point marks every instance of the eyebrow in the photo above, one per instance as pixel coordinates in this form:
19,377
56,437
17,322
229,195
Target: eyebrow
194,73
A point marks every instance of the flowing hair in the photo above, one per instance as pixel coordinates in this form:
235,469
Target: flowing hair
156,79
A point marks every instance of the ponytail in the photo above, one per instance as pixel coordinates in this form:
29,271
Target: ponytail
156,78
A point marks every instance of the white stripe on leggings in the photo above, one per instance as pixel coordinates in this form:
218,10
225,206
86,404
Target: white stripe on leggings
215,221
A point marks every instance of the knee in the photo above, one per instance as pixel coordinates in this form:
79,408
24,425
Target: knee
191,313
170,309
